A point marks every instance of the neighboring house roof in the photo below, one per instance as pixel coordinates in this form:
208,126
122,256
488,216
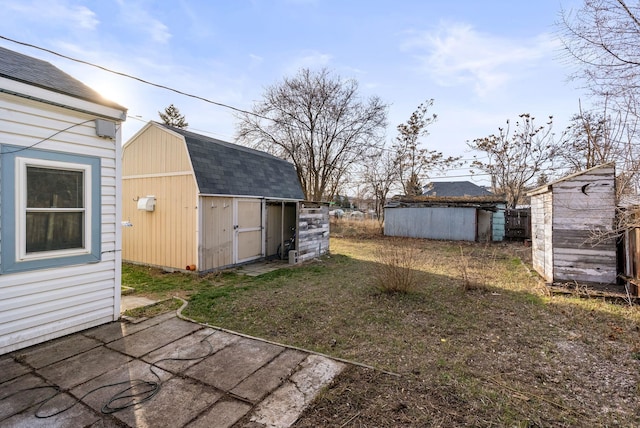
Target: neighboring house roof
223,168
454,188
35,72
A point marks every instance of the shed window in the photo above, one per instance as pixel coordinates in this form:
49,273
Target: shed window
50,209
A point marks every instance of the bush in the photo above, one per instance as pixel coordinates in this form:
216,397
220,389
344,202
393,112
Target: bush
395,269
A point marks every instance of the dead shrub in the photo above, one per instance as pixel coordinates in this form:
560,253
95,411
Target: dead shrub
467,283
464,270
395,269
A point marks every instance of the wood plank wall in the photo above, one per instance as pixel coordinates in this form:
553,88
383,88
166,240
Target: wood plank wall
313,231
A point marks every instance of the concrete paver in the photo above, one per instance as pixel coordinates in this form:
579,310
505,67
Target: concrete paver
260,268
57,350
230,366
82,367
177,403
284,405
270,376
206,378
117,330
98,391
145,341
11,369
223,414
132,302
75,416
17,395
189,350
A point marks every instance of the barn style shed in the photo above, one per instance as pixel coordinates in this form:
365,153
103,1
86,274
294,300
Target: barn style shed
198,203
59,203
570,219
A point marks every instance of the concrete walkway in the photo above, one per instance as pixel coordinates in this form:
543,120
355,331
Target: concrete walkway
194,376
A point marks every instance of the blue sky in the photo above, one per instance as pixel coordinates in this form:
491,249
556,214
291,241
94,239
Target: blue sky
481,61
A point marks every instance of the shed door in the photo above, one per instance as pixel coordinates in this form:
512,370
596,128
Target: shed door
248,242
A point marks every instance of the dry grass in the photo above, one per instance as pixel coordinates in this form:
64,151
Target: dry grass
344,227
497,353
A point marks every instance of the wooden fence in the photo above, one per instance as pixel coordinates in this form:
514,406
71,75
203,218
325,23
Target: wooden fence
518,224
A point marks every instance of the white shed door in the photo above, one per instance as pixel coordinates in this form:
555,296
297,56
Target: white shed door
248,240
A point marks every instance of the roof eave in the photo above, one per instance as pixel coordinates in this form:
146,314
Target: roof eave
47,96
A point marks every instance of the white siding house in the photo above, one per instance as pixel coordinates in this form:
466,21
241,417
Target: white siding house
60,237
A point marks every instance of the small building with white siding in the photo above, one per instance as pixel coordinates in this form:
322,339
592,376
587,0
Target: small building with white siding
60,235
198,203
572,220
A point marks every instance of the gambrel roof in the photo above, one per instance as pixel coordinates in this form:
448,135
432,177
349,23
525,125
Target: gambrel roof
39,73
223,168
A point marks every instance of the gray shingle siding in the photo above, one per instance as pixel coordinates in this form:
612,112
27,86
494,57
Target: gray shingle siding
223,168
25,69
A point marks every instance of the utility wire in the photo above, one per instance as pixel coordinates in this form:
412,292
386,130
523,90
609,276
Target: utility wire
46,138
129,76
139,79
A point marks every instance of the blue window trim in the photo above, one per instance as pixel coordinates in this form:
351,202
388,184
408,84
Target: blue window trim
8,262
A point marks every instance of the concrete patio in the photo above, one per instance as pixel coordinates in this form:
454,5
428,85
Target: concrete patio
193,376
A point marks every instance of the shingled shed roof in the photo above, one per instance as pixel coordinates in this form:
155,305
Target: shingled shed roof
35,72
223,168
454,188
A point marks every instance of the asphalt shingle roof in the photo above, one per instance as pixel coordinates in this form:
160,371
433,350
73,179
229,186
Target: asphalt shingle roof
454,188
36,72
223,168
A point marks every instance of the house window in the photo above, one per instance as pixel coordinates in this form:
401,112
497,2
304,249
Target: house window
50,209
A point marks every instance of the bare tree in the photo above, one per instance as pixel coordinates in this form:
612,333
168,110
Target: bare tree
603,36
413,161
172,117
601,136
380,175
515,157
587,142
319,122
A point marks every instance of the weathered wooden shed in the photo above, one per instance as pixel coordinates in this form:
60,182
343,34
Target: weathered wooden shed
571,224
59,203
462,218
198,203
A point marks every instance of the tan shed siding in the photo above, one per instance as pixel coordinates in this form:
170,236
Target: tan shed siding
165,237
155,151
39,305
216,244
274,228
313,231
